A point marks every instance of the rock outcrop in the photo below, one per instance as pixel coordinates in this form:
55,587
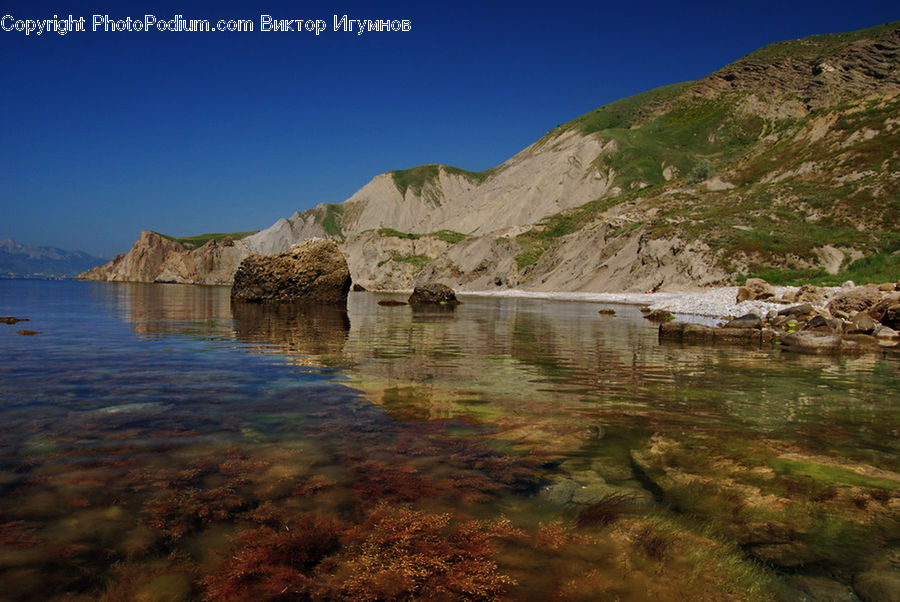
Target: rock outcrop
755,289
313,271
157,258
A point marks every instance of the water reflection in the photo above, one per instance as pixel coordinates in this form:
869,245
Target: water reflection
157,309
319,331
538,372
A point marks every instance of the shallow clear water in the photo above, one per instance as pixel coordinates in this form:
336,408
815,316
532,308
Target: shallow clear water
159,444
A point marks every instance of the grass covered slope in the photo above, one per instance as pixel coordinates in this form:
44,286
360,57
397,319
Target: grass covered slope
417,178
755,162
197,241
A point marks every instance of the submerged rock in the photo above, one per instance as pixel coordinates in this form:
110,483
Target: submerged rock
783,554
570,491
559,493
878,586
314,270
391,303
752,493
808,587
433,293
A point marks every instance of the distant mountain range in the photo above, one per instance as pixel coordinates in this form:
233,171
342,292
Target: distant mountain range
19,260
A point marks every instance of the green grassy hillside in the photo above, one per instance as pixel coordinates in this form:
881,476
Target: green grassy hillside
765,190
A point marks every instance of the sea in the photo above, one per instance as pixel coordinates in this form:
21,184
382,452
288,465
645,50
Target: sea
159,442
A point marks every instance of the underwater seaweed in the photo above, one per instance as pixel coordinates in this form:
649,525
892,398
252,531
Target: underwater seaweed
654,542
606,510
400,553
313,485
377,481
181,512
555,535
150,581
267,563
17,534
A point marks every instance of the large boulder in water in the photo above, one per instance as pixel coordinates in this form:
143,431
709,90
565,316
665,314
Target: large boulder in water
314,270
433,293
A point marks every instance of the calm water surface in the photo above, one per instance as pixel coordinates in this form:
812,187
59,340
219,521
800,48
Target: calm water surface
159,444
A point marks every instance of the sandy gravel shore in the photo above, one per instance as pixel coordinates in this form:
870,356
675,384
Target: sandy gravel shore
714,302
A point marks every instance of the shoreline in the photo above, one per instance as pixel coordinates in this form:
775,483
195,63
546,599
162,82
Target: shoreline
715,302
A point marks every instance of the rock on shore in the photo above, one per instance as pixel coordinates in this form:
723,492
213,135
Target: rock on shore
850,320
314,270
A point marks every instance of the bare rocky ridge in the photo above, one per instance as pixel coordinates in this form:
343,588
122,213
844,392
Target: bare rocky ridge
787,158
812,73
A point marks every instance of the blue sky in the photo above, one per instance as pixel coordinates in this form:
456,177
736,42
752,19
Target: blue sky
106,134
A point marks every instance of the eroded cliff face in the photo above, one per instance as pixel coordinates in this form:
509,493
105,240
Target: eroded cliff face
545,178
155,258
599,259
813,73
141,264
788,158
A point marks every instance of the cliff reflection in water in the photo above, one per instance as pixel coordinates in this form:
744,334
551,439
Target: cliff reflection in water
156,309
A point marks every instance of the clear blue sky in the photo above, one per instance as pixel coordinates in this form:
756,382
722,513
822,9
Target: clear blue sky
106,134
